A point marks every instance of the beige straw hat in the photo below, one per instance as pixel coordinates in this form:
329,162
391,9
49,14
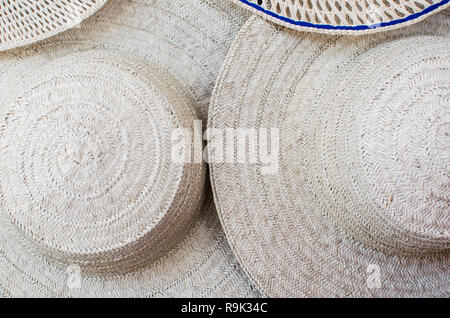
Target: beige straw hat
188,39
24,22
91,202
344,16
359,204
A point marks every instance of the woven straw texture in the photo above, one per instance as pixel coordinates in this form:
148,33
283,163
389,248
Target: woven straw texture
344,16
202,265
362,186
86,165
24,22
188,39
88,182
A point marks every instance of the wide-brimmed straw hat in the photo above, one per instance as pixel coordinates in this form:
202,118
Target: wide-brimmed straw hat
92,203
188,39
24,22
344,16
359,204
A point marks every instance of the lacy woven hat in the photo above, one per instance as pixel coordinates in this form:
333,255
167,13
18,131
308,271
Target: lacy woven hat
344,16
92,203
24,22
359,204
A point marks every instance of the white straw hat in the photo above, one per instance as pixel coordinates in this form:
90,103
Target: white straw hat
91,202
188,39
24,22
359,205
344,16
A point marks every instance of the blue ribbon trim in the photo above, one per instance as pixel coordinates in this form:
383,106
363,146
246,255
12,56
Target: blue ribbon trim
358,27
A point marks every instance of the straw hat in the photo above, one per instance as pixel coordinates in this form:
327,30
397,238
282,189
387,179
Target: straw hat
344,16
188,39
359,203
91,202
24,22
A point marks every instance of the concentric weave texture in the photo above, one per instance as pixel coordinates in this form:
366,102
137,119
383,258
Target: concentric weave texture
200,266
24,22
359,206
89,192
187,39
344,16
86,165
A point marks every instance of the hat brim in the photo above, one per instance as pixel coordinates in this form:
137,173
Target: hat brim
32,23
279,232
189,40
394,16
201,265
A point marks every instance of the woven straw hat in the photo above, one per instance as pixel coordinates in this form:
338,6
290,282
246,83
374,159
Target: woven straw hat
344,16
24,22
188,39
359,203
91,202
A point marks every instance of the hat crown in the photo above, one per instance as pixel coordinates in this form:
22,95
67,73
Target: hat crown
86,165
383,171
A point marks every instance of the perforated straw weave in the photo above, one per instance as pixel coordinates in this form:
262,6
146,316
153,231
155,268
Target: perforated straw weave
344,16
359,204
91,202
24,22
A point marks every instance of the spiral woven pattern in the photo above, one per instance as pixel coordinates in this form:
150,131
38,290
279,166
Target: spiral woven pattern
344,16
86,164
24,22
363,165
201,265
187,39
